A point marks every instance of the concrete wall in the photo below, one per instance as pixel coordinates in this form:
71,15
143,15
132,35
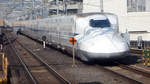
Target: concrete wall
148,5
118,7
138,21
132,21
145,36
91,6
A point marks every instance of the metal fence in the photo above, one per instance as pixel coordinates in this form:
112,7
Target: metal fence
146,44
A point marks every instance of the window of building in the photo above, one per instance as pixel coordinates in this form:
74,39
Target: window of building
138,5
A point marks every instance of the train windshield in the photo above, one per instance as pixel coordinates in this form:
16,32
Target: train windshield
99,23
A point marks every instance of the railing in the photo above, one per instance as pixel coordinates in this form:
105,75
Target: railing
145,44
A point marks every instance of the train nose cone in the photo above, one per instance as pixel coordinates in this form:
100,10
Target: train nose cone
104,47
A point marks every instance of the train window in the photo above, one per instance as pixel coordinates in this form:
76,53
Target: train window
100,23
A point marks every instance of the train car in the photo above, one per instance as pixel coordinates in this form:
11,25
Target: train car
96,33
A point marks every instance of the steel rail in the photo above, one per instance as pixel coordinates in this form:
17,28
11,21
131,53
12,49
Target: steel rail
22,62
134,69
136,51
54,72
133,81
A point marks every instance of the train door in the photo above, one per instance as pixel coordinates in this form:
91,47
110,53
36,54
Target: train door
54,31
67,32
58,32
50,31
64,32
38,28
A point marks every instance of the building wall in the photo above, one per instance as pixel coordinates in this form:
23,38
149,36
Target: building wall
145,36
131,21
148,5
138,21
119,8
91,6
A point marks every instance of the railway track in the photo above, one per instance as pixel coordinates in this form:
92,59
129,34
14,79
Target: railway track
40,72
135,82
63,64
139,75
135,70
136,51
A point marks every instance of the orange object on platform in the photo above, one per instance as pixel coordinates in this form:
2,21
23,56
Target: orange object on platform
73,41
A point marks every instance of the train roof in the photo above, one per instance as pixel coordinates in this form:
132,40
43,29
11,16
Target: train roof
89,14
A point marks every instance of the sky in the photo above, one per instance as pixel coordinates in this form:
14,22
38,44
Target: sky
3,1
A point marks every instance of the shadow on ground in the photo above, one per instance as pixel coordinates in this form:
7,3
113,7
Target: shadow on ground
91,83
129,60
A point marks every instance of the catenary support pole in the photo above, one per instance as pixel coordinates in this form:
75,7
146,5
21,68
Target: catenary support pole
101,6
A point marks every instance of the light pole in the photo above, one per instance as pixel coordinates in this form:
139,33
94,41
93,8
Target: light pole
33,8
57,3
101,6
65,7
22,3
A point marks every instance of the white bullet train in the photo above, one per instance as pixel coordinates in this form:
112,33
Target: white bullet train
96,33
